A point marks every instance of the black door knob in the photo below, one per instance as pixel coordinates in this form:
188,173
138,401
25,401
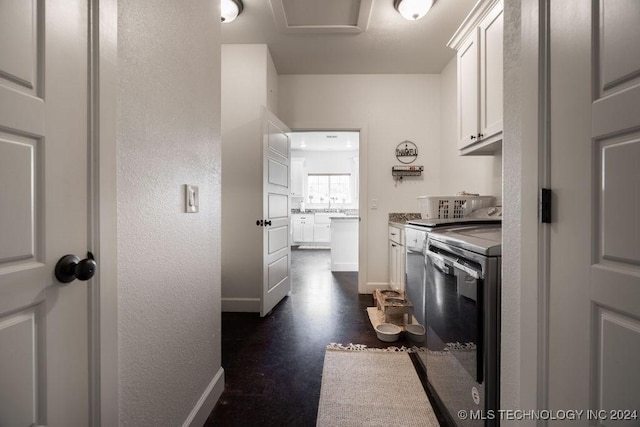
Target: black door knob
71,267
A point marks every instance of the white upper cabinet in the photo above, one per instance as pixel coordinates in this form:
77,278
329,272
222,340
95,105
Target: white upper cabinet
298,177
479,45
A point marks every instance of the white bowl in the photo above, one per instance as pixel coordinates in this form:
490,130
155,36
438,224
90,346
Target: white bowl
388,332
415,332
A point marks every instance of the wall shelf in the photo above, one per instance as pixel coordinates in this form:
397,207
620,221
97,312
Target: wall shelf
399,172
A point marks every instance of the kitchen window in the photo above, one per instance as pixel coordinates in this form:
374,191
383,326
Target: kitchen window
329,188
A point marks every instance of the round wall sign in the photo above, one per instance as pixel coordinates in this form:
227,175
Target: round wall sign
406,152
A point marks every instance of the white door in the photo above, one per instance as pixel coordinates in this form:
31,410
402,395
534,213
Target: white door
43,212
276,283
594,333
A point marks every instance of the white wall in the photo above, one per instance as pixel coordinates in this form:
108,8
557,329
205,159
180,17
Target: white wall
522,289
248,76
168,261
474,174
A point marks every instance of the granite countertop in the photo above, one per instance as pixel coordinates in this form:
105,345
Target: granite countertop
400,219
350,212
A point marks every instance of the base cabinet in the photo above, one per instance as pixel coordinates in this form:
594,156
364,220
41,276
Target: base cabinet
322,233
303,228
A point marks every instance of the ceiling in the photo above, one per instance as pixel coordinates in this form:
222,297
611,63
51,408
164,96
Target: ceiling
325,141
348,36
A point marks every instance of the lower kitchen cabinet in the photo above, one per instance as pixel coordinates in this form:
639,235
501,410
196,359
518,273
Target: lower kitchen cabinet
396,258
303,228
322,233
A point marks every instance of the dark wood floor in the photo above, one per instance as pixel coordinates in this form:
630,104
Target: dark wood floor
273,365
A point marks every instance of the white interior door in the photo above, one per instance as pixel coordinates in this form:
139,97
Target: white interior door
276,283
594,334
43,212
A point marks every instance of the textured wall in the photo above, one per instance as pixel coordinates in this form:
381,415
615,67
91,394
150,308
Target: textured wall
520,287
169,261
246,76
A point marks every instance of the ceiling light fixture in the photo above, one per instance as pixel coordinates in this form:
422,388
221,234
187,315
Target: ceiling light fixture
230,9
413,10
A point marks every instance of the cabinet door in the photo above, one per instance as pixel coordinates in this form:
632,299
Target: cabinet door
297,230
491,73
307,230
322,233
297,177
468,92
393,267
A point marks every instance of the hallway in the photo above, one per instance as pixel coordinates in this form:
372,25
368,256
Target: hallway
273,365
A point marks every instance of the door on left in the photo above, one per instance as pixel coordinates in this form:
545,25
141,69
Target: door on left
44,356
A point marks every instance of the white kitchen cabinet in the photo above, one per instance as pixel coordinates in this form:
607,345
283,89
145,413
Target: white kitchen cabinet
298,177
322,233
478,42
396,258
322,226
303,225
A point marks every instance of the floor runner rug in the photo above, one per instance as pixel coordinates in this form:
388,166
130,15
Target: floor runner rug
372,387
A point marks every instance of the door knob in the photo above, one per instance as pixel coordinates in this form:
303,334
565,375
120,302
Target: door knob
71,267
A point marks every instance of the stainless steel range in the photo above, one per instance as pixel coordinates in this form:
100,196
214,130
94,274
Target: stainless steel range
462,298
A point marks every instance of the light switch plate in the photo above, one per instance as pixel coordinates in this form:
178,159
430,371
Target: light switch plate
191,199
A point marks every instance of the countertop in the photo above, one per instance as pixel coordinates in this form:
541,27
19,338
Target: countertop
400,219
333,218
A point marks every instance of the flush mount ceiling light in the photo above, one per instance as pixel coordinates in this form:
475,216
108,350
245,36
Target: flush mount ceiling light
413,10
230,10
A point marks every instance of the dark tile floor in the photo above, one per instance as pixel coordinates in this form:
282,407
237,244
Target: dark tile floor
273,365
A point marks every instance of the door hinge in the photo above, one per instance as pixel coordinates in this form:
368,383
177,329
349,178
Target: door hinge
545,205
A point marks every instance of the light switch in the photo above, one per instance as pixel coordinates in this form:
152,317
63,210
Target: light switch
192,198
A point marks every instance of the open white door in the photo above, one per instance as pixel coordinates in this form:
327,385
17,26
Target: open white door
44,359
276,283
594,328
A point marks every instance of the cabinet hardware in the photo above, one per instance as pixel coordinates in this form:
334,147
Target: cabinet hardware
480,135
267,223
259,223
473,137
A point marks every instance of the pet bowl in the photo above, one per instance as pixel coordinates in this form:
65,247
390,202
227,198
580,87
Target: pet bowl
388,332
415,332
390,293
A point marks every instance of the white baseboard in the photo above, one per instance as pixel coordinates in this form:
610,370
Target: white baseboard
241,305
372,286
207,401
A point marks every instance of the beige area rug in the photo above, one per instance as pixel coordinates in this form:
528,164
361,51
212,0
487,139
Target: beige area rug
372,387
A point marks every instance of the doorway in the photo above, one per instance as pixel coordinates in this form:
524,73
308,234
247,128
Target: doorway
325,198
